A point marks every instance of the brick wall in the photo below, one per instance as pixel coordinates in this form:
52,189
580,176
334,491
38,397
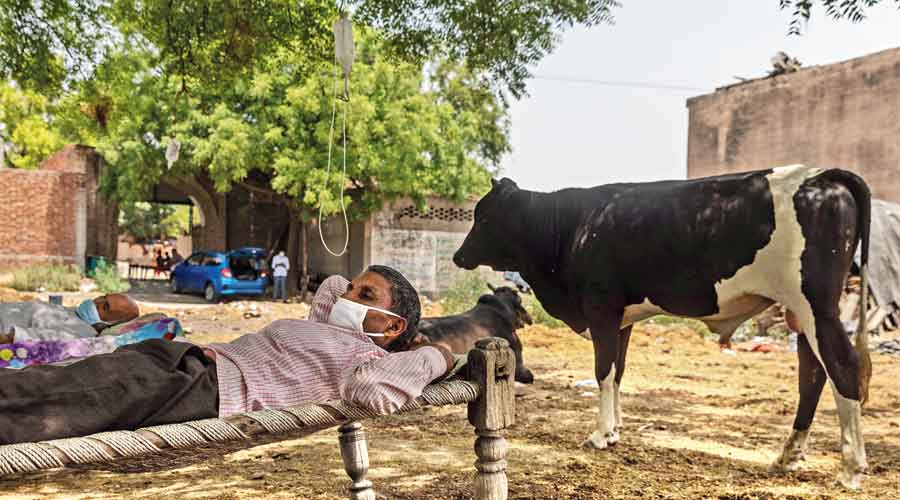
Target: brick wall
840,115
101,222
38,216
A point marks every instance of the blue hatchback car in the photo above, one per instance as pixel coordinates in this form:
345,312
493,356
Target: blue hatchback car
215,274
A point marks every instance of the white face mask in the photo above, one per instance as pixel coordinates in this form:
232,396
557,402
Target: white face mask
350,315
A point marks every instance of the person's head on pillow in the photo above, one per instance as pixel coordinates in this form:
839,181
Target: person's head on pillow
381,303
110,309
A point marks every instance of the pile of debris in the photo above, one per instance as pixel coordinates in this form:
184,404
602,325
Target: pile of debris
880,318
249,309
783,63
889,347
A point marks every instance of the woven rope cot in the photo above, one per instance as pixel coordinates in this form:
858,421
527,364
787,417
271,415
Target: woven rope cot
488,391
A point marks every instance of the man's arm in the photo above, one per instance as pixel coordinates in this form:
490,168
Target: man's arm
385,384
445,352
327,294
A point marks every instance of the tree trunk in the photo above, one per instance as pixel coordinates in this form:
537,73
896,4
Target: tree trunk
293,248
304,269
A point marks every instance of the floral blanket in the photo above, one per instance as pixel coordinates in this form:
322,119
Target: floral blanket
28,353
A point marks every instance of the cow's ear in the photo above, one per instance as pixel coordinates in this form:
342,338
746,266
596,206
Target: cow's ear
507,182
494,183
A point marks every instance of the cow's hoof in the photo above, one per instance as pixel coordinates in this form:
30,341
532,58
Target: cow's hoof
850,480
780,466
793,454
788,462
598,441
851,477
612,437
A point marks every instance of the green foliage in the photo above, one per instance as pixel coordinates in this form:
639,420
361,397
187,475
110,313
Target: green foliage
44,44
539,315
693,324
463,293
25,123
218,40
51,277
178,222
468,286
801,10
108,280
409,134
145,221
502,39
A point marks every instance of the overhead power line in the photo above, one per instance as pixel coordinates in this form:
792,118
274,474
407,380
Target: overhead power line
620,83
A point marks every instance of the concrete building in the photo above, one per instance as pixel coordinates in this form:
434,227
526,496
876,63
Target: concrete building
418,243
839,115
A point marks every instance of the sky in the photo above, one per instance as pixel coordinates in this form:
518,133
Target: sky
568,134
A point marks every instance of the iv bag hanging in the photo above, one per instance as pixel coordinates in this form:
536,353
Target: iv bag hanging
172,152
344,50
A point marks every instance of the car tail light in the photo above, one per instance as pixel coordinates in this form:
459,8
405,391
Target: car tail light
264,274
225,272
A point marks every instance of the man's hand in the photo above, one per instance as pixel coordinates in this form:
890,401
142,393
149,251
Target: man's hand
444,350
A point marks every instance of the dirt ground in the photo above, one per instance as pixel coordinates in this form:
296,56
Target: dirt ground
698,424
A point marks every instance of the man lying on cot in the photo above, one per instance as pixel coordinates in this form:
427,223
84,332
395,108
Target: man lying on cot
353,347
36,320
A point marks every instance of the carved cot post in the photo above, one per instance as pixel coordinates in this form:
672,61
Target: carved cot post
492,365
355,452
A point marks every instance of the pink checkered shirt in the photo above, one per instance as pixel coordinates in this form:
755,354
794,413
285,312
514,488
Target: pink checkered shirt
294,362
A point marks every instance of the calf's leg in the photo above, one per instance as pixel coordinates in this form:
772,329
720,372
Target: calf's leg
605,337
811,381
831,348
624,338
828,216
842,365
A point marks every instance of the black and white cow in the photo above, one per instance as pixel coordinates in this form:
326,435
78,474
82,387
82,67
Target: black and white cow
720,249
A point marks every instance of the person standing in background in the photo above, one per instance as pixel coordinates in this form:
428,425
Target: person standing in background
176,258
280,266
160,263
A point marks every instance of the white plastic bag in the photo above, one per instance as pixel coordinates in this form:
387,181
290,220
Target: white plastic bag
172,152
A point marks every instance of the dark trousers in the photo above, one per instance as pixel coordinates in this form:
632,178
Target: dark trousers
280,288
150,383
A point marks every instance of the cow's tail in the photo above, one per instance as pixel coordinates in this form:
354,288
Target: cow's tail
863,197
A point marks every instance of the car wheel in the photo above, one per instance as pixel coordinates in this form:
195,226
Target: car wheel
173,284
209,293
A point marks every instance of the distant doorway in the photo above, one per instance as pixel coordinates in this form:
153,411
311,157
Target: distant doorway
154,236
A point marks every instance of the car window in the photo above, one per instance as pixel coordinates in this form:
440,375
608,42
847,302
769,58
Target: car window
211,260
194,260
245,262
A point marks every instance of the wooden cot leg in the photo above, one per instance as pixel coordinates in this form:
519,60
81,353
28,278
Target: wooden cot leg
355,452
492,365
490,478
